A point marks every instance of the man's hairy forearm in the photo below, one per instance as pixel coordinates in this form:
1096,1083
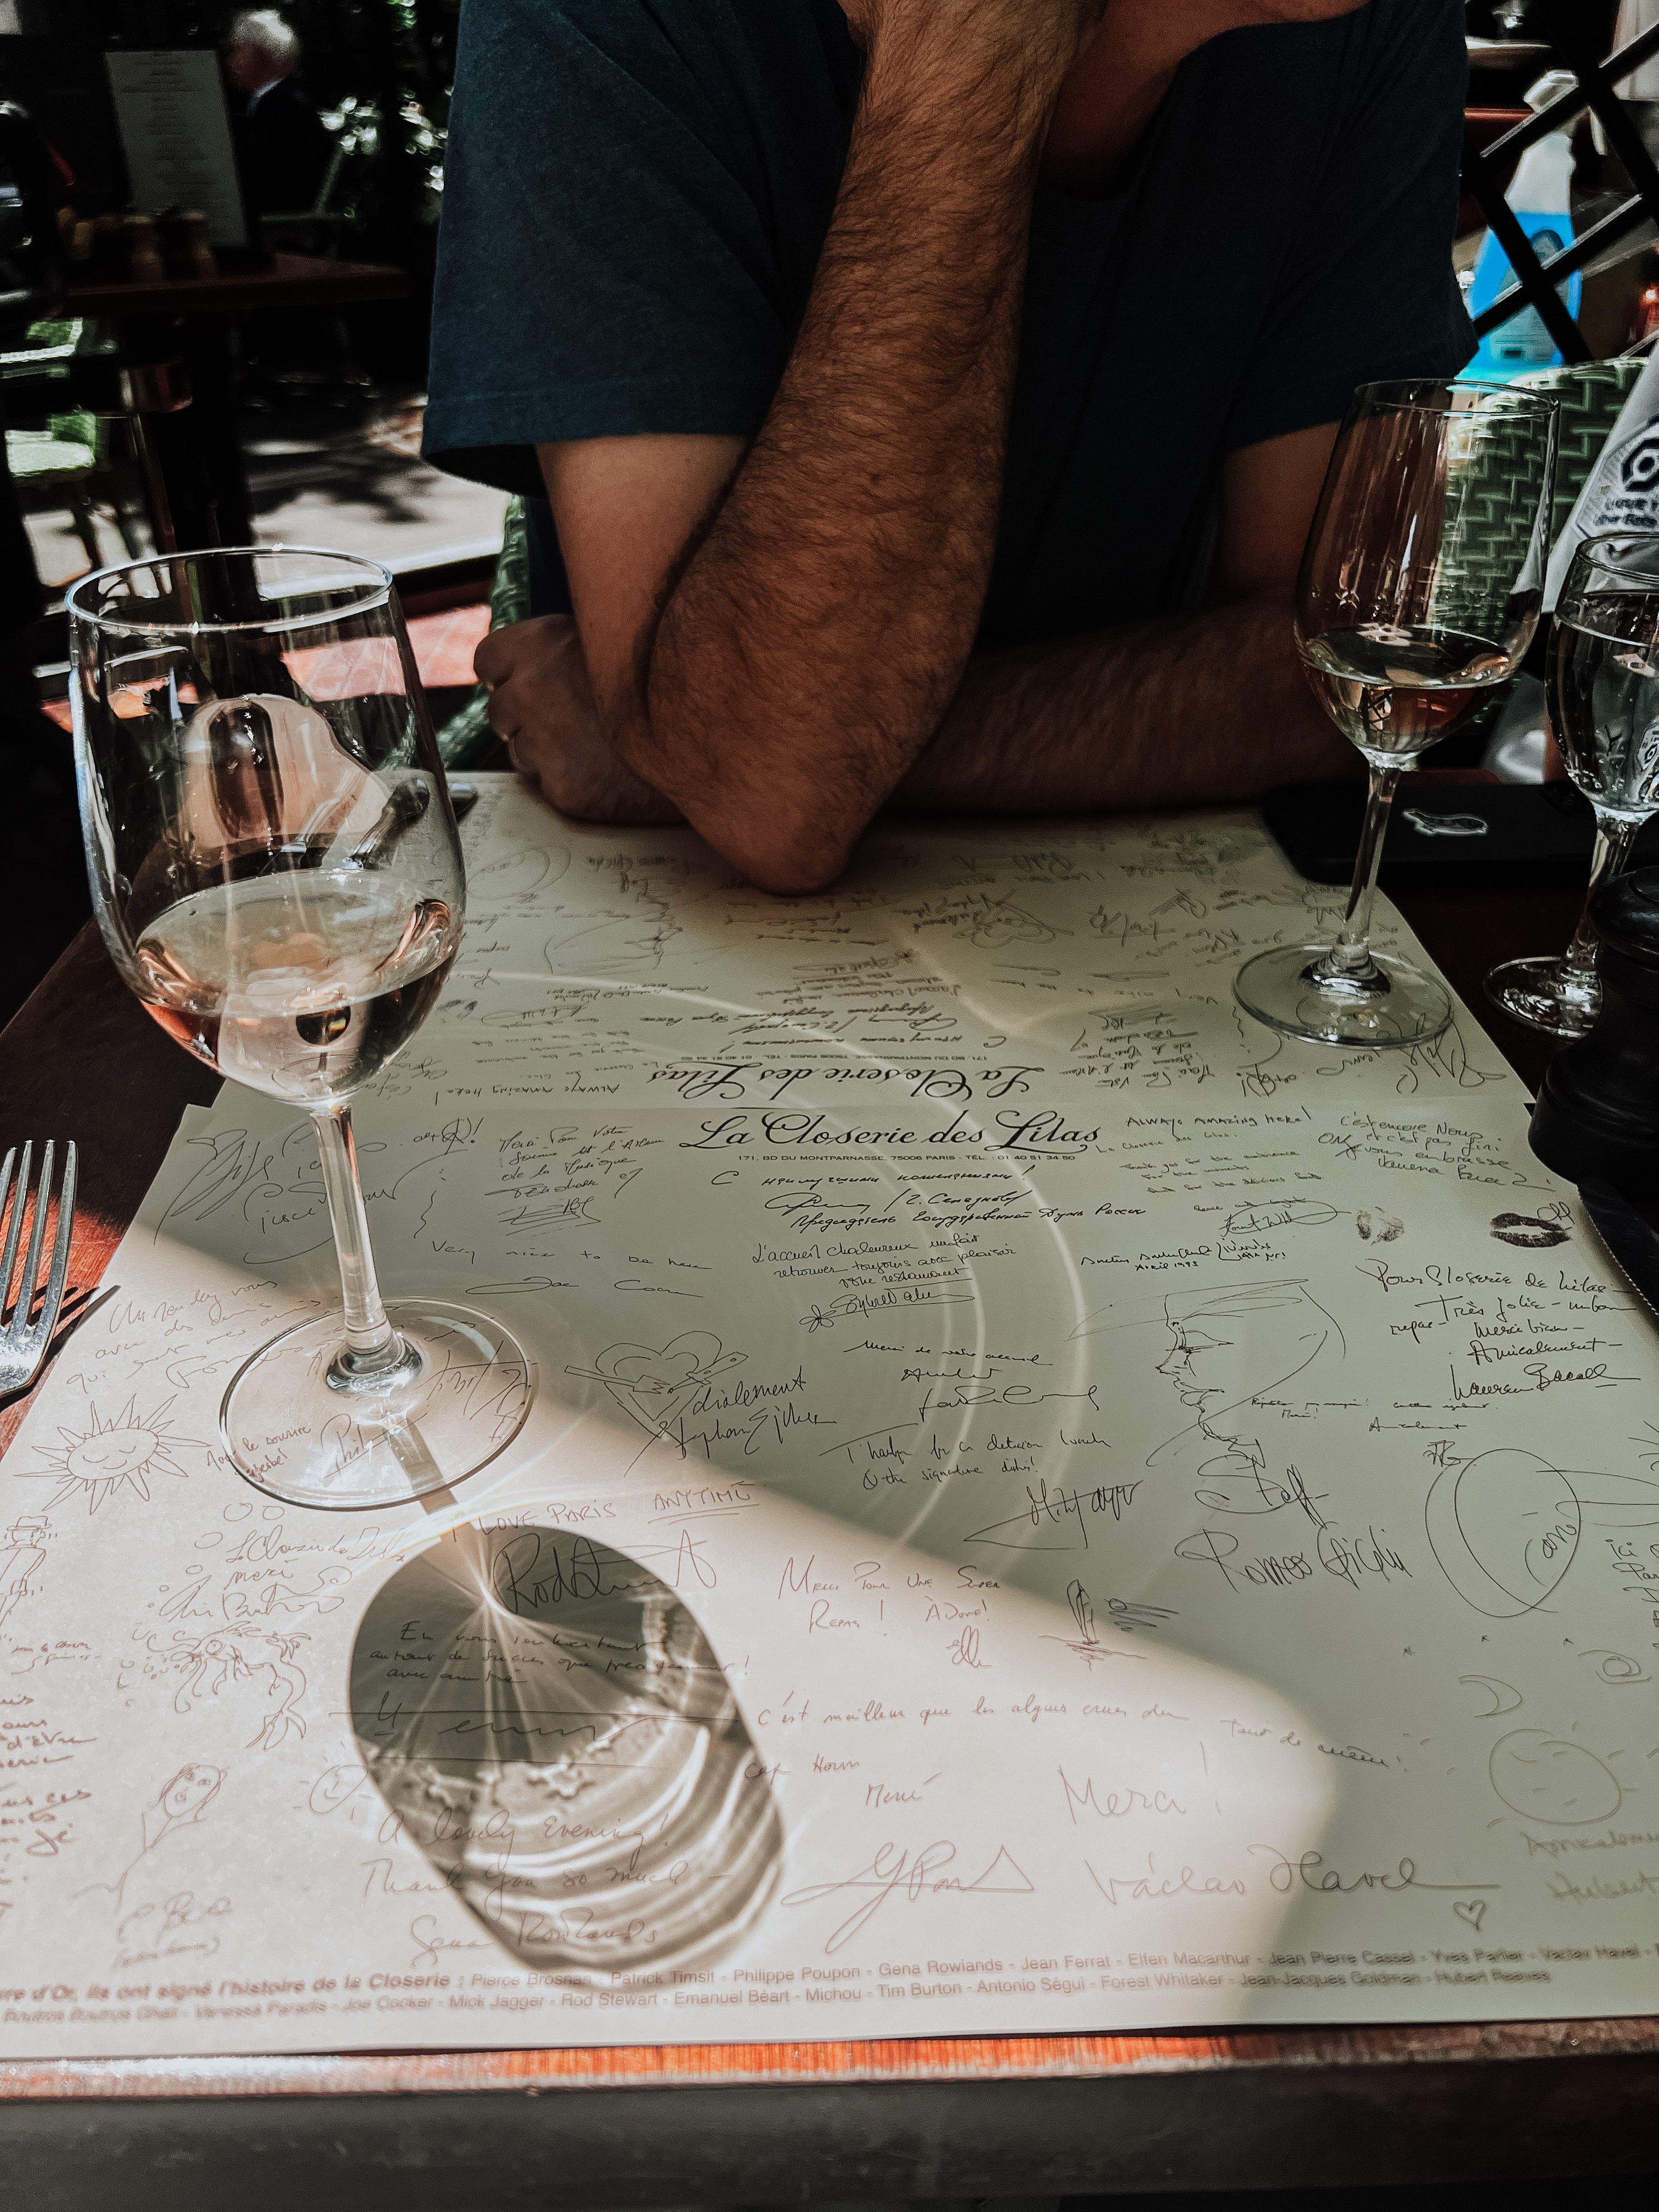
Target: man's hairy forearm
1210,705
815,635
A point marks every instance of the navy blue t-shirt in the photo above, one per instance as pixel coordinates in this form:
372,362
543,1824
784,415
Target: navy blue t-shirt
636,192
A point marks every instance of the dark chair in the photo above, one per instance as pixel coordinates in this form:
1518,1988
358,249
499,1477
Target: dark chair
64,417
1487,169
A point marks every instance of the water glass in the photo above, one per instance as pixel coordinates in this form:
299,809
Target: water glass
1604,706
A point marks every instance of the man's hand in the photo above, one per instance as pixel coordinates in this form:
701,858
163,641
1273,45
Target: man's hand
541,702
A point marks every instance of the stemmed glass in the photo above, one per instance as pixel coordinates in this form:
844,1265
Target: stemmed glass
276,871
1419,593
1604,706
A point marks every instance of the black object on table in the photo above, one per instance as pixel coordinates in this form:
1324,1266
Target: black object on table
1472,834
1597,1116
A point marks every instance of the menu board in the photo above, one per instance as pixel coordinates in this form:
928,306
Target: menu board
1046,1507
175,132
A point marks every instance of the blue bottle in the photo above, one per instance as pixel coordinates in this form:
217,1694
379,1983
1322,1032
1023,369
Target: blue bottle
1541,197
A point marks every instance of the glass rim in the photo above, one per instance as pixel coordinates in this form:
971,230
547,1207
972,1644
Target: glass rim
1595,545
378,594
1397,392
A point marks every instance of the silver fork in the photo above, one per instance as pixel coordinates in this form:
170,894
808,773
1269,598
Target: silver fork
23,1341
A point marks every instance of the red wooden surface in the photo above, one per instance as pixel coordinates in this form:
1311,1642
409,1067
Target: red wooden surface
920,2058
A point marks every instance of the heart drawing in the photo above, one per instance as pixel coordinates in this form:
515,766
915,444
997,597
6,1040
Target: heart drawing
1473,1912
547,1722
657,1388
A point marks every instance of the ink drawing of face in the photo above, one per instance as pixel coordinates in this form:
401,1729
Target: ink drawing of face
1229,1347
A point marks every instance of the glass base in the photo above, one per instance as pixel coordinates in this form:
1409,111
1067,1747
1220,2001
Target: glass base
1392,1007
292,1431
1537,992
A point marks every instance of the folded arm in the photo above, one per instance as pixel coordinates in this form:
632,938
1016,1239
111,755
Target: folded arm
772,637
1206,706
1211,706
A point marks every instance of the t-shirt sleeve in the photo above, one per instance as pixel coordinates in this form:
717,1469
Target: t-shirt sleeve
604,268
1366,290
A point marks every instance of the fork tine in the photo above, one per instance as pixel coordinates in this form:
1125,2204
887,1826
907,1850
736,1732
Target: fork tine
37,1237
20,1199
60,1245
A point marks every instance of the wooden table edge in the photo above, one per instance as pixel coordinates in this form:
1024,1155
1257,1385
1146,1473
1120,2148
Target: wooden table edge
293,280
832,2062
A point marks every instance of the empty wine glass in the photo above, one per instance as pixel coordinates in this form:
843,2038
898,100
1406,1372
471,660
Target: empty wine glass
1604,706
1418,594
276,871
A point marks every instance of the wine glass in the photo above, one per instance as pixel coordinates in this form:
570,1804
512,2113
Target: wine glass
276,871
1604,706
1420,592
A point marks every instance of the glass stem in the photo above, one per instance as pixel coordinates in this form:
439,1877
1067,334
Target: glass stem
1350,955
372,1345
1613,840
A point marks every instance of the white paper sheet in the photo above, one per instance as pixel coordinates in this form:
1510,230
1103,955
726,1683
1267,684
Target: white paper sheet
175,133
1148,1526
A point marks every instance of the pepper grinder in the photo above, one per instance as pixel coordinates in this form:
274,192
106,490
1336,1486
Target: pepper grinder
1597,1115
144,261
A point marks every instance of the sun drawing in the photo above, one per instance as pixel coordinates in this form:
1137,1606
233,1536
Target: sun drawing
112,1453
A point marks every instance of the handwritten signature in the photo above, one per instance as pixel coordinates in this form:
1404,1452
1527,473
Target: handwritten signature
894,1871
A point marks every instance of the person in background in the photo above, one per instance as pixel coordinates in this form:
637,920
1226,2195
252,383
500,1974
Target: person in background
285,147
930,397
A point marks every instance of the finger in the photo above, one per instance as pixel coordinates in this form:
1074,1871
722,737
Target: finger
493,661
514,645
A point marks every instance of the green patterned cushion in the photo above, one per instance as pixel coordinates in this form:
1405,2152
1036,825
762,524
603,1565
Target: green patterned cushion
509,597
466,738
1492,501
1591,393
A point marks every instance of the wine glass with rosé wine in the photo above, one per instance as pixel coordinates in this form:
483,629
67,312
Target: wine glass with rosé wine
278,875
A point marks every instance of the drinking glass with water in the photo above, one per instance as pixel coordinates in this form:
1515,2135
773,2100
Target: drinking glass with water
1604,706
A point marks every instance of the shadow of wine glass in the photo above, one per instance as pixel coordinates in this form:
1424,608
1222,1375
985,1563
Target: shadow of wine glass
549,1724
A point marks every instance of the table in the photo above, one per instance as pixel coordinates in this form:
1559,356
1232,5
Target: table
969,2117
1507,53
198,450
